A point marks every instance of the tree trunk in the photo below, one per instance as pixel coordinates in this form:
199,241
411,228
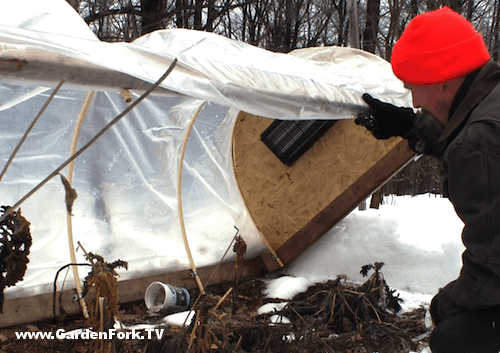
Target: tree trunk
354,24
209,27
413,8
180,17
151,15
371,28
495,35
197,14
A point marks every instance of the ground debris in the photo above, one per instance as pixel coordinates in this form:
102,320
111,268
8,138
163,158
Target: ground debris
333,316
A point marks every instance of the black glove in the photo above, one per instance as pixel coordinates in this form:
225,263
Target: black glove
385,120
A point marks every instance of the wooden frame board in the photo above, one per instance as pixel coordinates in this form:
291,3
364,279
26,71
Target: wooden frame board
375,177
293,206
40,307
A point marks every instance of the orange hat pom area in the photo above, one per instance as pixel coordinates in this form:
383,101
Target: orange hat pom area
437,47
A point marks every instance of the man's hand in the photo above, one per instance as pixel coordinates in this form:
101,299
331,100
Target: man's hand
385,120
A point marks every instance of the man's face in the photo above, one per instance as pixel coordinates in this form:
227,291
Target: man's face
436,99
431,99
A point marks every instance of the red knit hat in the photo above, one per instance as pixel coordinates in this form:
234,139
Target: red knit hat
437,47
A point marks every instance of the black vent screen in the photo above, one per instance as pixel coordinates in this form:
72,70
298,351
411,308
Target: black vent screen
290,139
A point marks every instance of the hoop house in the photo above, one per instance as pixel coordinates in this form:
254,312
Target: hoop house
158,189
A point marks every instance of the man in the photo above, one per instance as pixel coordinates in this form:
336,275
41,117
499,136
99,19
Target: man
444,62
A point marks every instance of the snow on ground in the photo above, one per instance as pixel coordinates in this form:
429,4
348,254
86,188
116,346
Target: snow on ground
418,239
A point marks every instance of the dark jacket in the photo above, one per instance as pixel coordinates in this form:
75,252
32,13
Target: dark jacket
469,147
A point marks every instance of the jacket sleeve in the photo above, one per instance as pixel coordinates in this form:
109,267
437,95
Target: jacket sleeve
473,168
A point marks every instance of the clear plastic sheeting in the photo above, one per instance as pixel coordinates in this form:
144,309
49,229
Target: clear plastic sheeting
48,16
211,67
127,182
278,85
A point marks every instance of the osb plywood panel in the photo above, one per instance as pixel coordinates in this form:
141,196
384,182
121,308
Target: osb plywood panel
284,199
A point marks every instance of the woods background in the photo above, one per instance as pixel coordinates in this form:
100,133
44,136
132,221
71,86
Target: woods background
285,25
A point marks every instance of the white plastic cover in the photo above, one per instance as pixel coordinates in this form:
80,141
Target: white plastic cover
127,190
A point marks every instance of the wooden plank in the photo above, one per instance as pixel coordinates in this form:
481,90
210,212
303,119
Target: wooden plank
341,206
39,307
36,307
281,199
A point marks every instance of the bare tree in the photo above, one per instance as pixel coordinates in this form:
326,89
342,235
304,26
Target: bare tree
282,25
112,20
370,41
151,15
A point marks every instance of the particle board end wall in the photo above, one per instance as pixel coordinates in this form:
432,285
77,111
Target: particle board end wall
282,200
